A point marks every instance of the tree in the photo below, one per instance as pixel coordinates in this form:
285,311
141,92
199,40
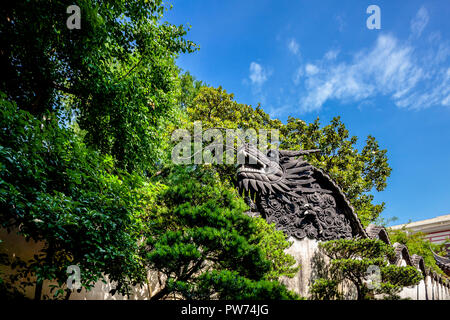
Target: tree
115,76
273,244
206,246
190,87
93,106
55,189
217,108
356,172
354,261
91,214
94,110
116,80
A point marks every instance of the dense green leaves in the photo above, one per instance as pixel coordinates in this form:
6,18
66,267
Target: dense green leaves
92,119
93,215
357,172
81,156
206,246
273,244
116,74
217,108
228,285
55,189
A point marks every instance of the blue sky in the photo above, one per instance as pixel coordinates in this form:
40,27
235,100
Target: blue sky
312,59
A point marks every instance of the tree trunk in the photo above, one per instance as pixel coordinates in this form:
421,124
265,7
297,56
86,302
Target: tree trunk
38,290
160,294
39,284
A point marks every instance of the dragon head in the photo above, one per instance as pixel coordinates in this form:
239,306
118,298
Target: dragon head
277,171
300,199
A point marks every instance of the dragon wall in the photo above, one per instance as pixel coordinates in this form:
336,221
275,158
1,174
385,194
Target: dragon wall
305,203
309,207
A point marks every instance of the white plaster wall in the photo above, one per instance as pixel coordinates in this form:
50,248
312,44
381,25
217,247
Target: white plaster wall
303,251
433,290
101,291
409,293
436,291
429,283
421,290
15,245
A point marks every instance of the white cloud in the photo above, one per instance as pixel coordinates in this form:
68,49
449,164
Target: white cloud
311,69
257,74
257,77
389,68
275,113
439,94
420,21
297,76
340,21
294,47
331,54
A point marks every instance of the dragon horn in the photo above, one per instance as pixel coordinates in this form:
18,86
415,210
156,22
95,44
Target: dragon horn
290,153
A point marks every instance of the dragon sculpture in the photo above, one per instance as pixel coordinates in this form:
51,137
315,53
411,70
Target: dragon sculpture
304,202
300,199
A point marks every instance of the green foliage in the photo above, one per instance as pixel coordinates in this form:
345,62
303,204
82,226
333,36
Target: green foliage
418,244
95,108
351,262
189,88
93,215
356,172
217,108
325,289
229,285
350,249
273,242
55,189
202,240
395,278
116,75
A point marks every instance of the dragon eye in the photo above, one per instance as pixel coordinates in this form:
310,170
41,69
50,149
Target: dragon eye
272,154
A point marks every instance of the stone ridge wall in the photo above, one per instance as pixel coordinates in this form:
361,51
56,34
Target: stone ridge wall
430,288
433,287
307,254
305,251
